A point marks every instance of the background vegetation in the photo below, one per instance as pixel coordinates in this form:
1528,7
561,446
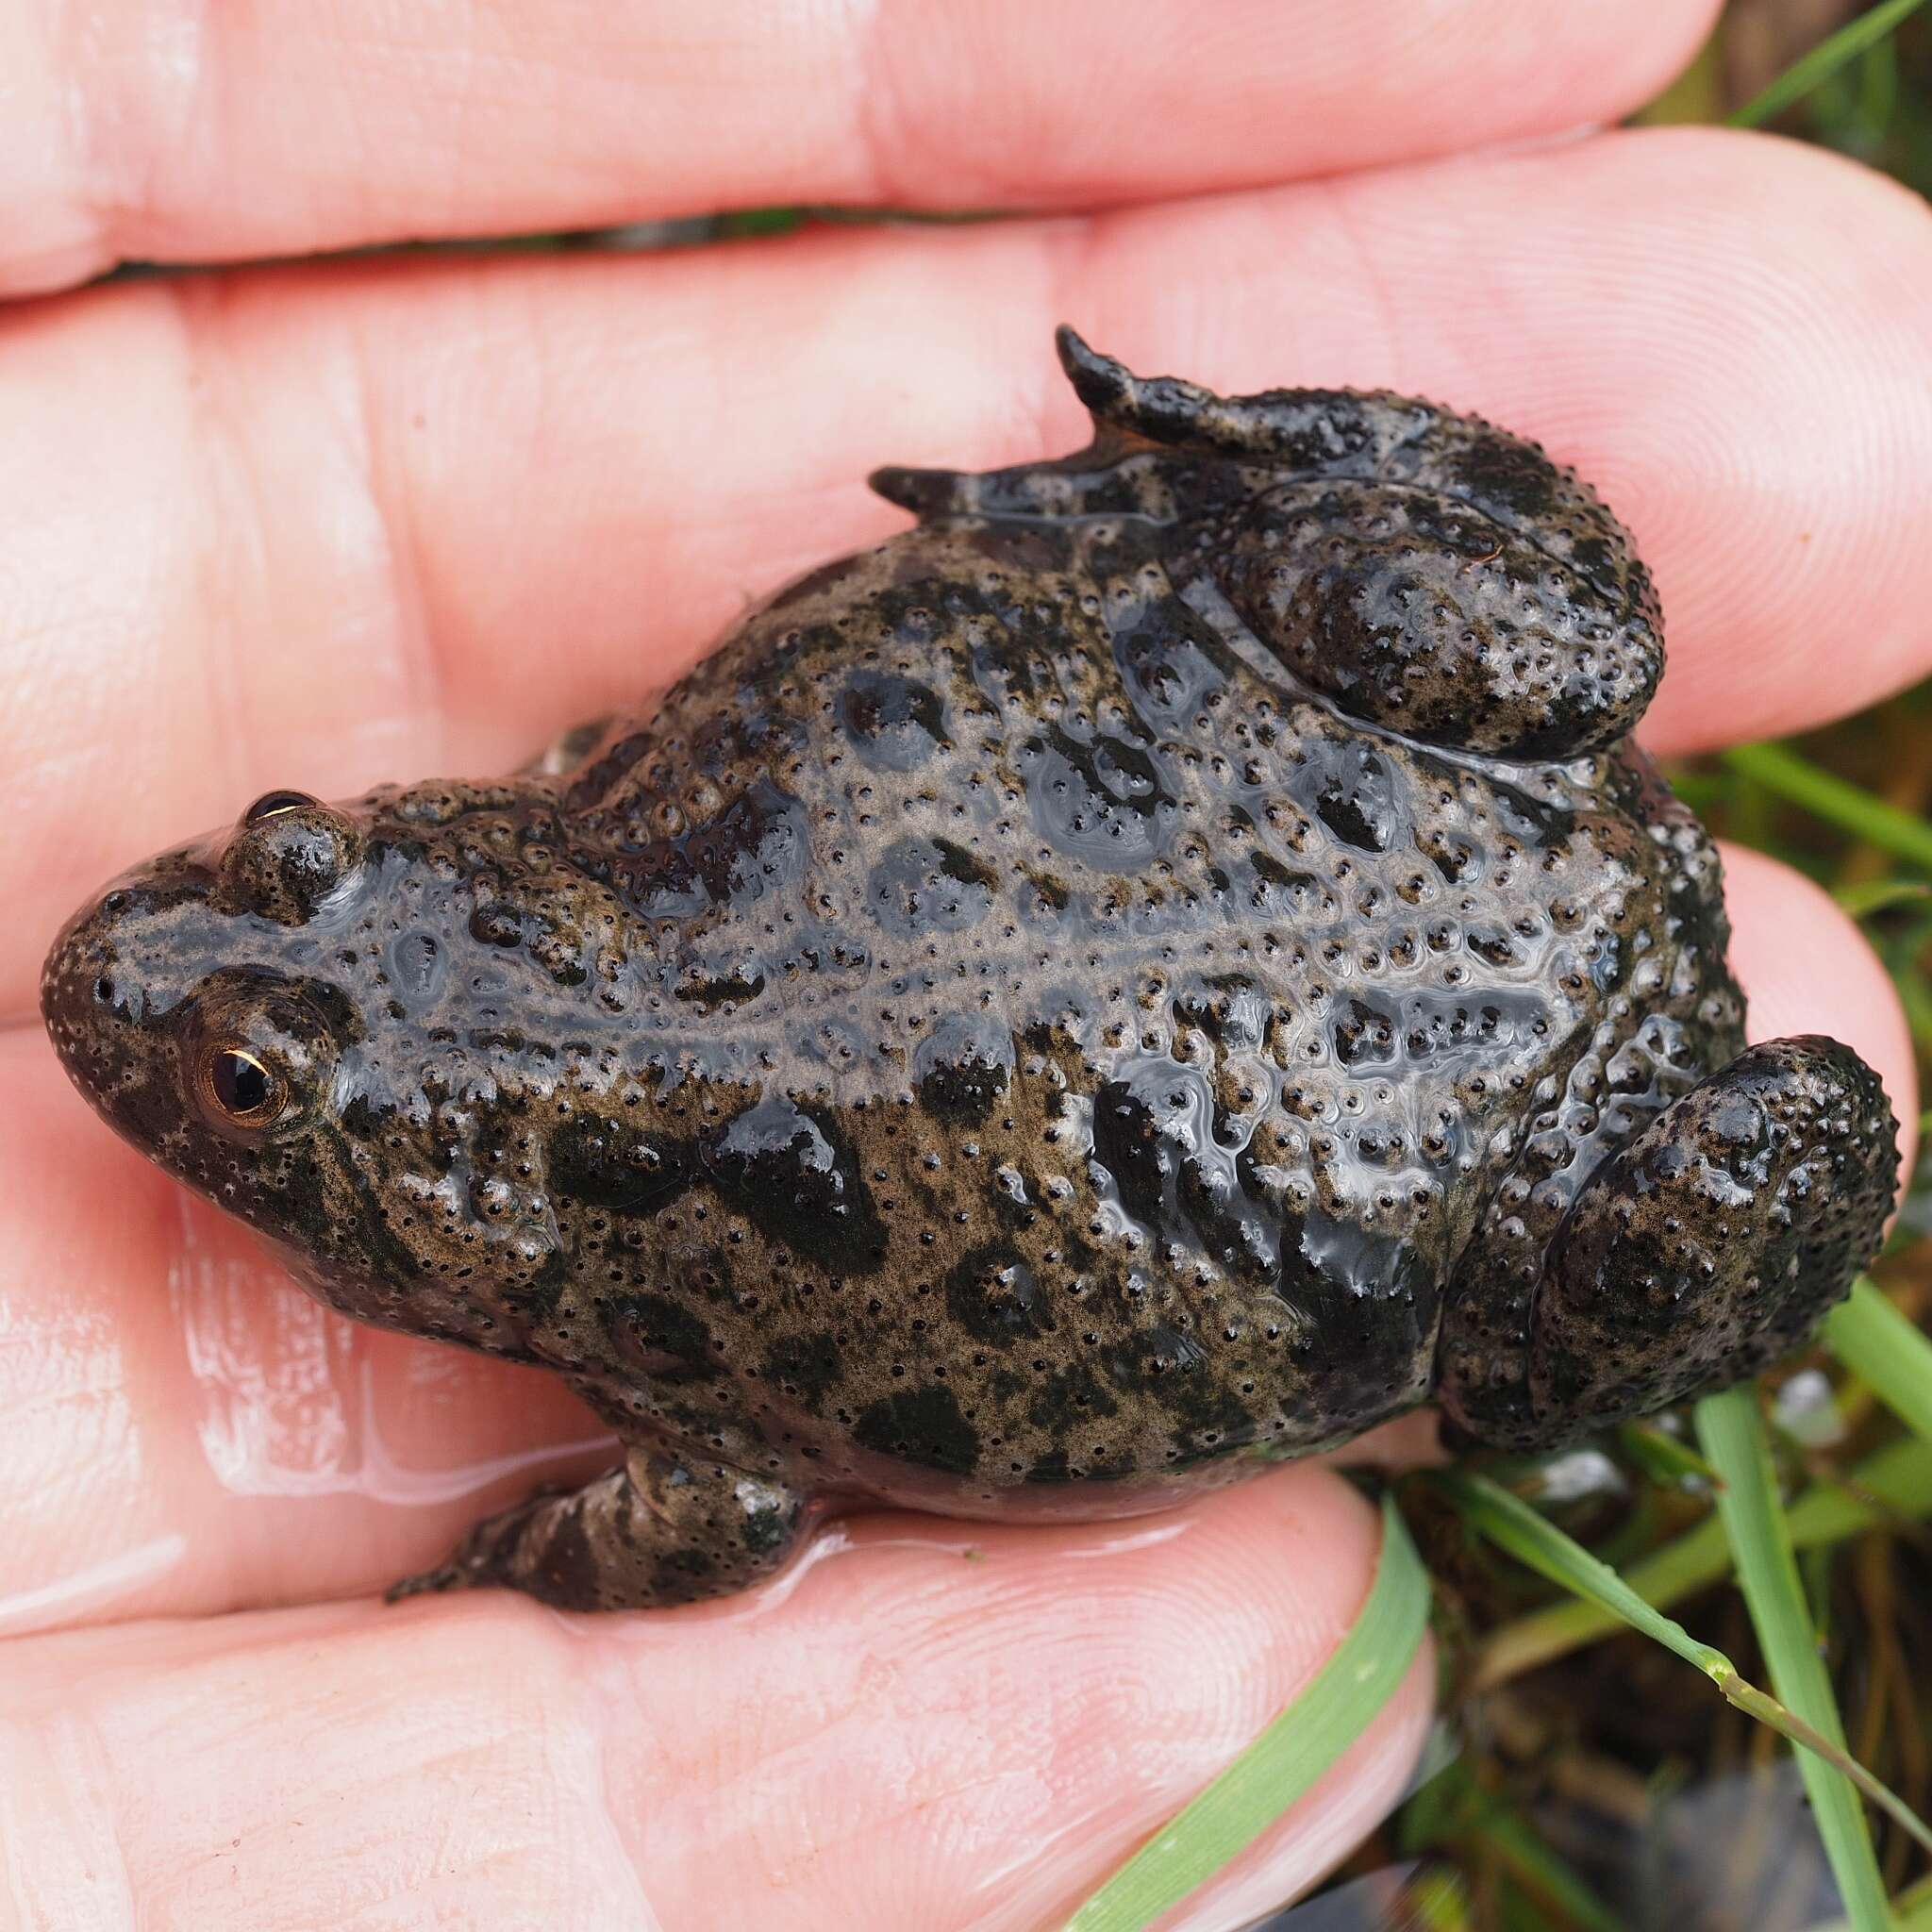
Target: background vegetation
1587,1780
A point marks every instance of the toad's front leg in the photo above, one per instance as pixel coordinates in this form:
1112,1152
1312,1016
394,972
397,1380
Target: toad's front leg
666,1528
1711,1245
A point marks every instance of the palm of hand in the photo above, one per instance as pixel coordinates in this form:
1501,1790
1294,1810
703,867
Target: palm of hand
332,525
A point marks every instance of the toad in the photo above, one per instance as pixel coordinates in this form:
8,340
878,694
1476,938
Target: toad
1162,966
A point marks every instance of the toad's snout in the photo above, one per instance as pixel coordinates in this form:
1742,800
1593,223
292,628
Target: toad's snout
117,972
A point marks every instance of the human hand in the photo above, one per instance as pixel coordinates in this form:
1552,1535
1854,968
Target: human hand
326,525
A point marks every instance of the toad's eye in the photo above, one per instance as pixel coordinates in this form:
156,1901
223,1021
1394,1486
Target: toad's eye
287,854
241,1087
272,803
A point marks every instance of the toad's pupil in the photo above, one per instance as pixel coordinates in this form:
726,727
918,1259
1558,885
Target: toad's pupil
270,803
241,1083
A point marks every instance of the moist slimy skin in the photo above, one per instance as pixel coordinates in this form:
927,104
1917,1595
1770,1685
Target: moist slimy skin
1163,966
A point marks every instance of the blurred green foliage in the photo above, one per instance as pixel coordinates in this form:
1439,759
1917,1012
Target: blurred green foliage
1580,1783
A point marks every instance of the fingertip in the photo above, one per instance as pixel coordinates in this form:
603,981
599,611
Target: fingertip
1805,968
1349,1800
1033,1702
1763,464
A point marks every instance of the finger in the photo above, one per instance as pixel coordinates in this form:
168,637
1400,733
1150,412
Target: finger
278,131
329,528
188,1434
185,1429
1806,969
845,1754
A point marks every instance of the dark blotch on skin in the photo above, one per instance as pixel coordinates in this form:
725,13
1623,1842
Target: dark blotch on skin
1129,1145
894,723
610,1163
962,1068
810,1364
795,1174
646,1328
1166,963
922,1426
994,1295
928,888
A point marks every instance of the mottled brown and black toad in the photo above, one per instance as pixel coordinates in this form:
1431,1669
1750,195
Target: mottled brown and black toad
1160,966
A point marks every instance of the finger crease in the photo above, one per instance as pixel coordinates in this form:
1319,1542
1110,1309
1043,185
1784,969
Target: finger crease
413,645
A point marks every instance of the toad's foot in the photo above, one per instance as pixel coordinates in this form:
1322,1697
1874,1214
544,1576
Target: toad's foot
665,1528
1715,1241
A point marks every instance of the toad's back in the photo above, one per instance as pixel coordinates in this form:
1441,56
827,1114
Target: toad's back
1134,1039
1171,956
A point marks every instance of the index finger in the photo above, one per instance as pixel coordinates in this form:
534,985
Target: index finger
935,1726
216,133
330,526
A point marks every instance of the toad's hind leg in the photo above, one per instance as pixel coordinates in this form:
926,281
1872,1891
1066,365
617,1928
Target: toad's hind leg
663,1529
1715,1241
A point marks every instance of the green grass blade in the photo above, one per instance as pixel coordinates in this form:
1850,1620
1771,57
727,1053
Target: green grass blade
1669,1463
1911,1911
1895,1483
1731,1427
1535,1541
1511,1524
1436,1900
1890,1355
1879,896
761,221
1835,800
1331,1712
1823,60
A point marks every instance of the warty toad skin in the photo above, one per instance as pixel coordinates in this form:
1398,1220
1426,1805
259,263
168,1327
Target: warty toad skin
1167,963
